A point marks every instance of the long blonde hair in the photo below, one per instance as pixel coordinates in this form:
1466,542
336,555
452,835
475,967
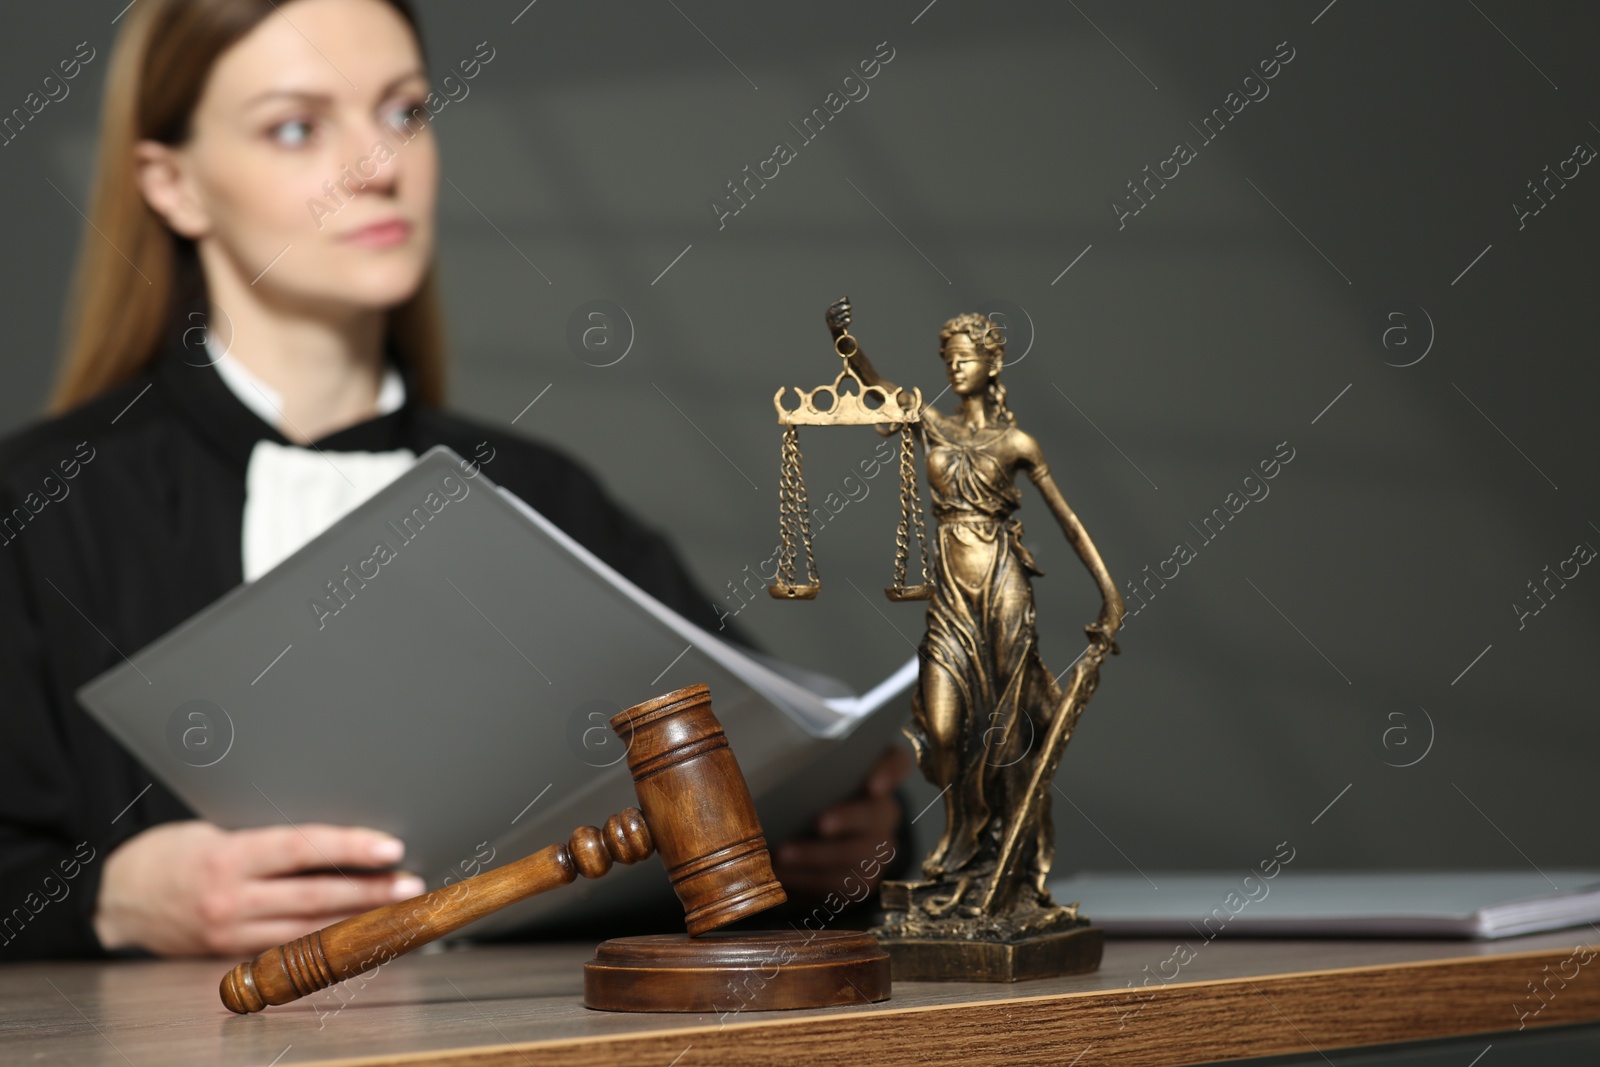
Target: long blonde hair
117,315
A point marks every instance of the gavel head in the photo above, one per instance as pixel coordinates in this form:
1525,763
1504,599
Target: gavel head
698,808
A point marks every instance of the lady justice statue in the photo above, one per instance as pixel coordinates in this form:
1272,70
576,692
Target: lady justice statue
990,721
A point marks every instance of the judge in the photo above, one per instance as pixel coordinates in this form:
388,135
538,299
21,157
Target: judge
240,372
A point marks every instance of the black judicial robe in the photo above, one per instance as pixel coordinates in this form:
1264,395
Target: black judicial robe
121,519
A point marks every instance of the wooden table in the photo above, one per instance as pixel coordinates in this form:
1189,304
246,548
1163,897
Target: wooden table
518,1006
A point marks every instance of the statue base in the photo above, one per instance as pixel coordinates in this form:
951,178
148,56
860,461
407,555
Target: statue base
1034,940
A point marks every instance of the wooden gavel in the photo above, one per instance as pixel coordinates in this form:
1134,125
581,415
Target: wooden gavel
694,809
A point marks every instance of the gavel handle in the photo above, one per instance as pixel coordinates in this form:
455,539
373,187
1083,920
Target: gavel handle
360,943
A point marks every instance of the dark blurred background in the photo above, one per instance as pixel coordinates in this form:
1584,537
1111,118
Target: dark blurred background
1359,618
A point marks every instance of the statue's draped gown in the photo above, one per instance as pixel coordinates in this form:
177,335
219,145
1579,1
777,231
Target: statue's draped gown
981,634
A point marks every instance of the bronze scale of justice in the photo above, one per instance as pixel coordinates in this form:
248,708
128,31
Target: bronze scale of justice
696,812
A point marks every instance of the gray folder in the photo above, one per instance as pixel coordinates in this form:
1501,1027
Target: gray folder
440,664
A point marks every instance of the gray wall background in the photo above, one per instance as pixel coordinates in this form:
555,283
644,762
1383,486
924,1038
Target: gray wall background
1357,618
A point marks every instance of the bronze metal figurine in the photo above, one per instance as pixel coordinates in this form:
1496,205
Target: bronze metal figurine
990,721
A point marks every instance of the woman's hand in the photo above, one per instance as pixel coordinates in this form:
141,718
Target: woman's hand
849,838
192,889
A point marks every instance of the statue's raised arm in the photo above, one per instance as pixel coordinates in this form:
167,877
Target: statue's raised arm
839,319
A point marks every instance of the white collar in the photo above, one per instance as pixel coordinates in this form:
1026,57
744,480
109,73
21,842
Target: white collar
292,494
267,402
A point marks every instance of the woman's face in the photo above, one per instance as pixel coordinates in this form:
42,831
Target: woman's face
969,372
309,172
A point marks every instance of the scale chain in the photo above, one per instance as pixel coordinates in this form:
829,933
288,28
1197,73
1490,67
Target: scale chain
794,513
785,515
804,506
916,512
910,512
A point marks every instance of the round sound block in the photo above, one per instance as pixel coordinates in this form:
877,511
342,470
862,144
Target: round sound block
727,972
